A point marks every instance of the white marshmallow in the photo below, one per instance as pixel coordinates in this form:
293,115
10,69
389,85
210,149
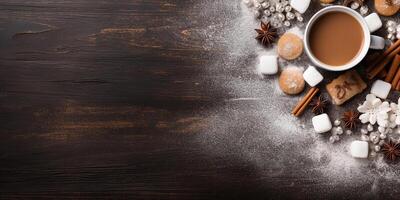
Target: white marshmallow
381,89
377,42
300,5
321,123
312,76
268,65
359,149
373,22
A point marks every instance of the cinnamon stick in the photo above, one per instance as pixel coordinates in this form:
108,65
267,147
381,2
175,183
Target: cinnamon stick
382,74
302,101
396,79
397,86
393,68
301,106
383,63
387,52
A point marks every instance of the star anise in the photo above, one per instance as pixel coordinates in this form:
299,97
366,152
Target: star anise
350,119
267,34
349,2
391,150
319,105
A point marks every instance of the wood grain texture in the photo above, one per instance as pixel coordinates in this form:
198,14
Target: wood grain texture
101,99
97,101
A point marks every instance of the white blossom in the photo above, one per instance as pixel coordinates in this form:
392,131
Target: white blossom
374,111
394,115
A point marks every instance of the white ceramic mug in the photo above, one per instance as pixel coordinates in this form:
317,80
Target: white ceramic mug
357,59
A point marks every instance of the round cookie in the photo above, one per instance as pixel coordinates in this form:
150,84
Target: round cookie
383,8
290,46
291,80
327,1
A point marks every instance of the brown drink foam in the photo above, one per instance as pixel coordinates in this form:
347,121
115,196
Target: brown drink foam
336,38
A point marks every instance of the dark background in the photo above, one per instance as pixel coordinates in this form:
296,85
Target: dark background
108,99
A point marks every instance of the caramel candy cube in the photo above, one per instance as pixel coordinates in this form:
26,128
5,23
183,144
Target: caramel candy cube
345,87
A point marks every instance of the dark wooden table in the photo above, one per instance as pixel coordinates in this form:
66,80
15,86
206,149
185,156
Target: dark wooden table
117,99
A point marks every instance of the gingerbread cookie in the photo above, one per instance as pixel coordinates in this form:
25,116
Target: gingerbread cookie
386,7
291,80
345,87
290,46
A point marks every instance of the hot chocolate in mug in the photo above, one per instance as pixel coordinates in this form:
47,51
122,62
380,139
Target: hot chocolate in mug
337,38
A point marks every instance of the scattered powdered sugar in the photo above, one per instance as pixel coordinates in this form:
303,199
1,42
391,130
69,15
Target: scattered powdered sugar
254,123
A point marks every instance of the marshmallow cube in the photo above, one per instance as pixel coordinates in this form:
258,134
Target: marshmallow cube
321,123
373,22
377,42
359,149
300,5
268,65
381,89
312,76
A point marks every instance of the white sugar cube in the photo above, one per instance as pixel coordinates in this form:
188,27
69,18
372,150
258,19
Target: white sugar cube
377,42
321,123
381,89
300,5
373,22
359,149
312,76
268,65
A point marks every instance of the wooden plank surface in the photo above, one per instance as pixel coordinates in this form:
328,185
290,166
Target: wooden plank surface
108,99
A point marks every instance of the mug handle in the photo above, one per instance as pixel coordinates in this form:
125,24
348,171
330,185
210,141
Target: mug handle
377,42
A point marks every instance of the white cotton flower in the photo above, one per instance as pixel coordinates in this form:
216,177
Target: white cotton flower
374,111
394,115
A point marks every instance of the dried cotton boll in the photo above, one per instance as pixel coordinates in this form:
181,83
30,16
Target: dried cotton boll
354,5
364,131
364,137
381,129
288,9
391,23
374,137
377,148
286,23
339,130
391,29
370,127
272,9
332,140
364,10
